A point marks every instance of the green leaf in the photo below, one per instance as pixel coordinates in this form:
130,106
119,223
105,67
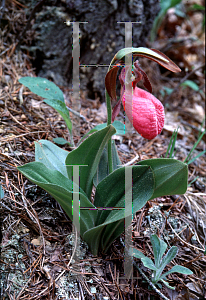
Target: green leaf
197,156
98,127
148,263
88,155
159,248
61,188
110,193
167,284
156,24
113,186
191,84
197,7
170,255
103,169
165,5
136,253
179,12
172,252
167,90
177,269
193,180
43,87
1,192
171,176
51,156
119,126
156,248
60,141
54,96
159,285
110,233
61,109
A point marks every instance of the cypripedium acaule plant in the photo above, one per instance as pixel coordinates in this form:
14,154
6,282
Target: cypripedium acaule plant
102,217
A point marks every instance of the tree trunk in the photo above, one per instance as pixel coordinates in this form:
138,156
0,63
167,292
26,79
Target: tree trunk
100,38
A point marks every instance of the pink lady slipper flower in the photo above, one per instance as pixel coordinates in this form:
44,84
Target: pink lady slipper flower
144,111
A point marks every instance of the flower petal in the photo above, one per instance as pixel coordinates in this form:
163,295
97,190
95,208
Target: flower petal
116,110
145,112
110,81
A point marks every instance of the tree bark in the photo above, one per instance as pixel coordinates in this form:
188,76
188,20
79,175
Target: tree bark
100,38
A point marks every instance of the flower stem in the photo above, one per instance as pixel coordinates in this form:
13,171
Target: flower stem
109,122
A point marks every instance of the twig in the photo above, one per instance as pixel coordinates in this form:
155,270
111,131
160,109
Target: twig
47,288
77,114
34,264
85,286
131,161
181,81
120,293
33,216
20,135
81,291
189,245
20,293
99,279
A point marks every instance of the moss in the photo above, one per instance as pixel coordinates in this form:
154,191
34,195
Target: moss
12,270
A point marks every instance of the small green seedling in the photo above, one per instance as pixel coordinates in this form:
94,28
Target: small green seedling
159,248
171,147
188,159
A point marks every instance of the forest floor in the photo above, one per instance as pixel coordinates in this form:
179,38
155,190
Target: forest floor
36,234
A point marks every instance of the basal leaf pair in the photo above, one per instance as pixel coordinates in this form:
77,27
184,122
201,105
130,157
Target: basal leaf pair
103,220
